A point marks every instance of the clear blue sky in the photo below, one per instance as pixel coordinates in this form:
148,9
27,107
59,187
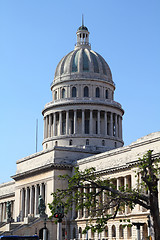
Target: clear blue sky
35,35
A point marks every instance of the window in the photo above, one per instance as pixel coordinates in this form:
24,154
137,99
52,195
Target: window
129,232
115,144
55,95
80,232
74,92
103,142
86,92
97,92
87,142
70,142
121,231
56,143
63,93
113,231
106,94
106,231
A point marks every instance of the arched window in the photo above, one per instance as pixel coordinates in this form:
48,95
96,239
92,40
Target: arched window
113,231
129,231
63,93
86,91
80,232
115,144
121,231
106,94
103,142
106,232
55,95
97,92
87,142
56,143
74,92
70,142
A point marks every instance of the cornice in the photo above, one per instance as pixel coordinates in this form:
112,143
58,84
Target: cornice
121,150
7,195
75,101
88,77
108,137
41,169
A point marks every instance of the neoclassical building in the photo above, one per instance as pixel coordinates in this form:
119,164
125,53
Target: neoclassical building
82,125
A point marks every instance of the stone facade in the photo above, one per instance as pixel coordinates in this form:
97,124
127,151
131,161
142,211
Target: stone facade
82,125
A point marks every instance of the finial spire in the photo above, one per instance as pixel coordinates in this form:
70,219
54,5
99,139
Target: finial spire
82,21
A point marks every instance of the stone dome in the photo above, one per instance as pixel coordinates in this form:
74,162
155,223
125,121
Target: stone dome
83,62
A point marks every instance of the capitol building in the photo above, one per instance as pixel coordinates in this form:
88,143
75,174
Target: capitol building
82,126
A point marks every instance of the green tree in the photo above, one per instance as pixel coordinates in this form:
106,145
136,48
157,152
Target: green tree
145,194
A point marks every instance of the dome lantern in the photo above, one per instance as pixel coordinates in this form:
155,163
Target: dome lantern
82,37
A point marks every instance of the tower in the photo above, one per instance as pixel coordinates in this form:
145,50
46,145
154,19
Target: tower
83,113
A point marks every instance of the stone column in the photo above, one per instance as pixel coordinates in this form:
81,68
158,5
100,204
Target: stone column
26,202
116,126
36,201
125,185
67,122
85,209
54,124
41,190
91,122
98,122
75,121
22,203
105,123
121,127
79,210
111,124
50,125
44,119
83,121
31,200
47,126
4,210
68,92
60,123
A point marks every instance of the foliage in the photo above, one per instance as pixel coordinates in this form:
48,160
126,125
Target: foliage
100,200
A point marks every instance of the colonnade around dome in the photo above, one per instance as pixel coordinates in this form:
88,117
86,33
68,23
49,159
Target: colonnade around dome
83,124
